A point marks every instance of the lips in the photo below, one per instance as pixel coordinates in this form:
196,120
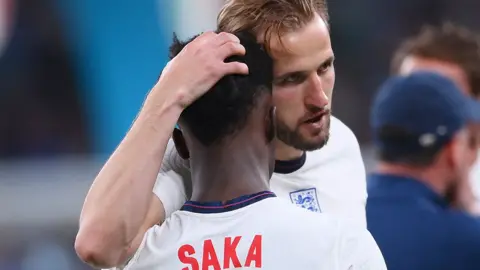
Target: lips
316,117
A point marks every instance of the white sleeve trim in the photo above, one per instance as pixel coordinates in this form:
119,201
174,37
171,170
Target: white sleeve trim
170,189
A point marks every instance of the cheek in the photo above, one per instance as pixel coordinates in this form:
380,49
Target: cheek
328,80
289,104
464,155
472,156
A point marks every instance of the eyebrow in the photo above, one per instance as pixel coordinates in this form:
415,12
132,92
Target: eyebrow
302,72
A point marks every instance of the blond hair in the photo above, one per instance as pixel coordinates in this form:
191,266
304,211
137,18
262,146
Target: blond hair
269,17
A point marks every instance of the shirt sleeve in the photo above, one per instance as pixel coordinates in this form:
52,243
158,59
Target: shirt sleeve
353,168
170,189
352,212
143,250
359,251
360,172
358,209
354,206
173,185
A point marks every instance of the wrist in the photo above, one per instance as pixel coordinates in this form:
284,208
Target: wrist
164,100
172,94
162,117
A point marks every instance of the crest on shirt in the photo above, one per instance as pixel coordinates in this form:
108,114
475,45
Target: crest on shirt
306,198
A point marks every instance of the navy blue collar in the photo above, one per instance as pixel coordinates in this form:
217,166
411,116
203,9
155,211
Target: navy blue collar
388,185
290,166
221,207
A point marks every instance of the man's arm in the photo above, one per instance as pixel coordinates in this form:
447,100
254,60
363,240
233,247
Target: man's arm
120,199
119,203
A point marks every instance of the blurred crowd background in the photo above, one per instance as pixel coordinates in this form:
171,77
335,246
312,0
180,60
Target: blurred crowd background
73,75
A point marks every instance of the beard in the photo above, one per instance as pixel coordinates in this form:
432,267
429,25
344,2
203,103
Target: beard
295,139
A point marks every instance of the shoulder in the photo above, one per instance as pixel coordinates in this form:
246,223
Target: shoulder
147,250
157,245
464,235
465,226
294,226
341,161
311,223
358,249
342,132
289,213
342,145
349,241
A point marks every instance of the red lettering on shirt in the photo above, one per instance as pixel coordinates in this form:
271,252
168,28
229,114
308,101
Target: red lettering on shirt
210,261
255,253
185,253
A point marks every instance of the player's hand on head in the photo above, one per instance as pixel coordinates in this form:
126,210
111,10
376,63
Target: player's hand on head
200,65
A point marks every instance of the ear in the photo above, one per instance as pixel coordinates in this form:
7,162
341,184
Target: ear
449,153
180,144
271,128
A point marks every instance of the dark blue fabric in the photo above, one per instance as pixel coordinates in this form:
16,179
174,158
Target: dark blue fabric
415,228
427,105
230,205
290,166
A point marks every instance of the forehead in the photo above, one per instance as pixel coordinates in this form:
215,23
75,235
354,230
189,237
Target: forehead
302,50
453,71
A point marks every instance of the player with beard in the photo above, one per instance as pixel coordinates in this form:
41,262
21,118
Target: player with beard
232,219
454,52
318,161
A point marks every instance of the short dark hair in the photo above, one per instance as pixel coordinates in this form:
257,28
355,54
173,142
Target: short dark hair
225,108
450,43
401,138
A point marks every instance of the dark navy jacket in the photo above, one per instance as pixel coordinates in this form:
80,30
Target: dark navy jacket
416,230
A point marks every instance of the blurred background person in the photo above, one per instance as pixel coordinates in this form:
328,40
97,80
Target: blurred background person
41,114
84,68
422,126
453,51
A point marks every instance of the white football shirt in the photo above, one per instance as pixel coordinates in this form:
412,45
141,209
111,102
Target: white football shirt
256,231
330,180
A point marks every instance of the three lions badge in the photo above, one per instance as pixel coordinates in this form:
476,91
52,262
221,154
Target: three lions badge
306,198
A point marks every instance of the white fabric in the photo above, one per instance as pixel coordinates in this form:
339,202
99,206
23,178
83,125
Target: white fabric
475,178
291,238
332,180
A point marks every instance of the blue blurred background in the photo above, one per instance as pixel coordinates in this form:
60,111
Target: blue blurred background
73,75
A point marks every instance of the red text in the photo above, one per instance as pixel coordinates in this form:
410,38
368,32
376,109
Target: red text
210,260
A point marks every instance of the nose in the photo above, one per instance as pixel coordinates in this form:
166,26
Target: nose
315,93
